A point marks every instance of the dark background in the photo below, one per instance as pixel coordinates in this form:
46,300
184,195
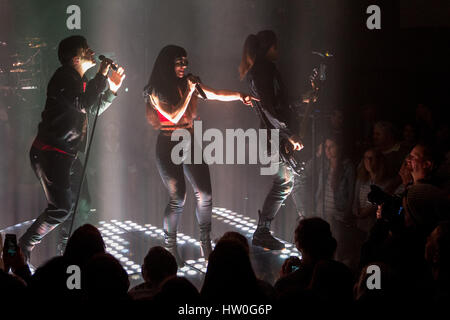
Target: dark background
404,63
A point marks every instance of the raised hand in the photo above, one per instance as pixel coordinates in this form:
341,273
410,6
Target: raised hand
115,79
296,142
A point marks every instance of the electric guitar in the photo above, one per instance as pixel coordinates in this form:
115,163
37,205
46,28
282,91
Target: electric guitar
286,151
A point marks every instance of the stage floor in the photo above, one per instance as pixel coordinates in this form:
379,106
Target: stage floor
129,242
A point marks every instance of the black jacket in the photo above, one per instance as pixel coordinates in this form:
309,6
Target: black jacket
273,108
64,122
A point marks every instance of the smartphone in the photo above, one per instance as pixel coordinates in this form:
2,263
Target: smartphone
10,246
294,268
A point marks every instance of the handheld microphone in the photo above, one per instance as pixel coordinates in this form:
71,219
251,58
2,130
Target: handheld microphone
111,63
197,87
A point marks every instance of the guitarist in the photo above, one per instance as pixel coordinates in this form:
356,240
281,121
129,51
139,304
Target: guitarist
258,67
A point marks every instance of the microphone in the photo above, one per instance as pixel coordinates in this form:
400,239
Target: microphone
111,63
197,87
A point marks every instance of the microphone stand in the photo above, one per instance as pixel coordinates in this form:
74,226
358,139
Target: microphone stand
85,163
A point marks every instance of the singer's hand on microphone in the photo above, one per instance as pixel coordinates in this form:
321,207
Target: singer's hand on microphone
192,84
104,68
115,79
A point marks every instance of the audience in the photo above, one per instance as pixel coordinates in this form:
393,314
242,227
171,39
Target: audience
407,237
159,265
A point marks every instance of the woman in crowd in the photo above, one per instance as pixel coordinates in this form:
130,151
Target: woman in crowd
371,171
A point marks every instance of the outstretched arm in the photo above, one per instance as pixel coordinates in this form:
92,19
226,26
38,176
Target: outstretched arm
227,95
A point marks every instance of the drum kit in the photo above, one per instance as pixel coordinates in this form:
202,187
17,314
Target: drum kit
21,68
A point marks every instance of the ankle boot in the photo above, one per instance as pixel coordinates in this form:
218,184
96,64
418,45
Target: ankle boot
34,234
170,243
205,240
262,236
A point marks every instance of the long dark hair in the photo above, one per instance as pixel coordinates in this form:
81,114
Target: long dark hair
255,46
165,83
337,139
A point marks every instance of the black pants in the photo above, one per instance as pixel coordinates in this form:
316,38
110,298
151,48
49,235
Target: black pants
60,175
173,177
283,183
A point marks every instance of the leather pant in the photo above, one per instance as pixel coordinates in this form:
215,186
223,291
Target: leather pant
173,176
282,186
60,176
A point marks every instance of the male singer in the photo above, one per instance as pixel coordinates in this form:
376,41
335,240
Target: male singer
62,133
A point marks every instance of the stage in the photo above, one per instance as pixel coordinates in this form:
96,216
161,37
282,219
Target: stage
129,242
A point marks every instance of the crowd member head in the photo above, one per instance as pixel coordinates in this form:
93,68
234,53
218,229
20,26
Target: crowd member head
159,264
84,243
104,279
383,136
437,252
314,240
49,282
236,236
335,156
425,206
75,52
230,276
263,45
421,162
373,167
332,148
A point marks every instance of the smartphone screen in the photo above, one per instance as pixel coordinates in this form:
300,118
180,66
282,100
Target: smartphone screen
10,246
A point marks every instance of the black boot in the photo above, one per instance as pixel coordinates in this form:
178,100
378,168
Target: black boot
205,240
170,243
38,230
262,236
